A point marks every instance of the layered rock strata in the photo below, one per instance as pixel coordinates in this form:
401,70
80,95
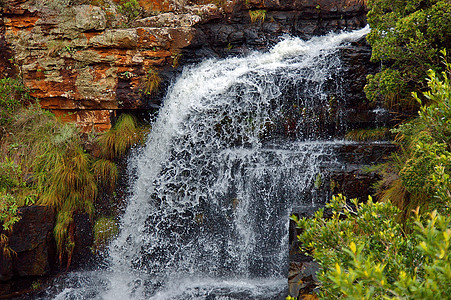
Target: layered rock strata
87,62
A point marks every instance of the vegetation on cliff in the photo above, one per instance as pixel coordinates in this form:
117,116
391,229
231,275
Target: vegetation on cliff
398,248
381,250
44,161
406,37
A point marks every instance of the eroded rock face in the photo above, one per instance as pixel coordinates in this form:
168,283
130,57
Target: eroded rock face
91,61
32,241
79,59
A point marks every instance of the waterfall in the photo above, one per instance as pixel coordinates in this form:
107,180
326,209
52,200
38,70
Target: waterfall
237,143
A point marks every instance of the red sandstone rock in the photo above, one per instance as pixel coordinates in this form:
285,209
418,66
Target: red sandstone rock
79,58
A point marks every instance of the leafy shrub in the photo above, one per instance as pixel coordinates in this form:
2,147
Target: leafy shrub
9,215
406,37
8,211
409,178
364,253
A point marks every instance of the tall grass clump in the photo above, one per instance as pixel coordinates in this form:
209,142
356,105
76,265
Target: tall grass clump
43,161
118,140
363,135
410,176
106,173
259,14
152,81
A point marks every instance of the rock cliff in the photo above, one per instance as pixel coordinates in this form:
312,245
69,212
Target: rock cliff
88,61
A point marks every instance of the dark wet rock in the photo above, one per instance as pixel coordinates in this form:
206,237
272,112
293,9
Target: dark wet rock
32,241
361,154
84,239
302,278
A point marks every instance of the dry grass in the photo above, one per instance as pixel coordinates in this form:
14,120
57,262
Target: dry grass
361,135
106,173
117,141
259,14
152,82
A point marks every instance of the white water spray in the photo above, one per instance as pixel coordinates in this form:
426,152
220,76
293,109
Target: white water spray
216,181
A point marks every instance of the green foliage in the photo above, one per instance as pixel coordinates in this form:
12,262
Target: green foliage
364,253
387,87
10,175
259,14
374,250
318,181
12,94
9,215
130,8
64,235
8,211
410,177
118,140
364,279
104,230
106,173
63,179
375,134
406,36
43,161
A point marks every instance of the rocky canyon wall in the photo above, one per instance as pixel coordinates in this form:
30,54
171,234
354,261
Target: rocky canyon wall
87,62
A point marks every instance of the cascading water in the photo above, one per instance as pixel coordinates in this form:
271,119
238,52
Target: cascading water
235,146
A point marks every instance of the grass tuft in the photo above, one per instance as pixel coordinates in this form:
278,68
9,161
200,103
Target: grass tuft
363,135
152,82
259,14
117,141
106,172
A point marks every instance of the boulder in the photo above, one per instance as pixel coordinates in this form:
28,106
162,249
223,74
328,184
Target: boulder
32,242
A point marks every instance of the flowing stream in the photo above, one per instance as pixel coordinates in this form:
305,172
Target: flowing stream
237,143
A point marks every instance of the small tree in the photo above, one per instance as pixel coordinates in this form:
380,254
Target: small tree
406,37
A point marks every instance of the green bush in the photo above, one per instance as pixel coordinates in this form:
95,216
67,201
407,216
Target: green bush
406,37
8,211
152,81
409,178
376,250
364,253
